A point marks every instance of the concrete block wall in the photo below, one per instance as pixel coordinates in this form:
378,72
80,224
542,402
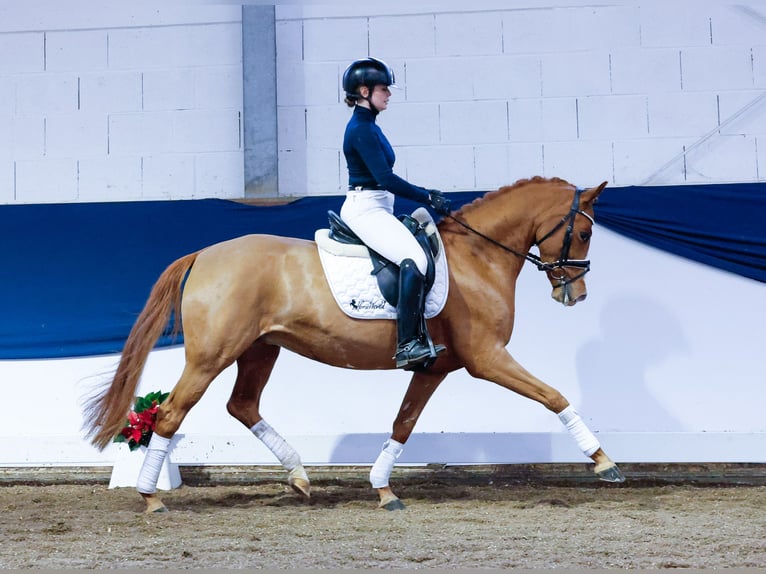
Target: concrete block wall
107,103
630,92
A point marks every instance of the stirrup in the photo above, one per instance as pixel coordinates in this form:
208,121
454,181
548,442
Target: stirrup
415,353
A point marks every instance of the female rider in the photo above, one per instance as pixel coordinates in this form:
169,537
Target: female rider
369,206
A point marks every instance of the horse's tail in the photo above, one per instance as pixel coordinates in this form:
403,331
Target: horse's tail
106,412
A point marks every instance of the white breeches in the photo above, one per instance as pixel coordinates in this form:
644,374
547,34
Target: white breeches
370,214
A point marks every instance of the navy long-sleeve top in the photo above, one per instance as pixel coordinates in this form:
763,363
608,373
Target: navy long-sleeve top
370,158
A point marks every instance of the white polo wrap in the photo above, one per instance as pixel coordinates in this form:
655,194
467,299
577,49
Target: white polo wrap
381,470
150,470
585,439
276,444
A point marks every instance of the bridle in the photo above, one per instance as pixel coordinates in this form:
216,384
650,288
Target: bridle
563,261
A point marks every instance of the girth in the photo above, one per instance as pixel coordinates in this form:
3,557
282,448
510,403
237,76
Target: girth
385,271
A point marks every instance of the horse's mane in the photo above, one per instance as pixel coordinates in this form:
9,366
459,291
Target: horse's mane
468,207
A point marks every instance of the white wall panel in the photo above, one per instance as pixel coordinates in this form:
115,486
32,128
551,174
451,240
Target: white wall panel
469,34
108,178
612,117
323,172
51,180
745,110
111,92
579,162
642,71
543,120
84,14
289,41
715,68
135,133
6,179
218,86
76,50
175,46
216,174
637,160
403,36
167,89
739,23
167,176
22,52
735,160
675,24
413,123
437,80
499,165
7,96
79,134
575,74
759,66
206,130
46,93
325,125
321,86
682,114
23,137
474,122
456,170
335,39
500,77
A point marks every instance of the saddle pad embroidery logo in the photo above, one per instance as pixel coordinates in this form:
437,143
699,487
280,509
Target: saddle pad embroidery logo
356,290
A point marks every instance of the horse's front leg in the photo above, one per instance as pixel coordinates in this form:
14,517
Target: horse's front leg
501,368
422,386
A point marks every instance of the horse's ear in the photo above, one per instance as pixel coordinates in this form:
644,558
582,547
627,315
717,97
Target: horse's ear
591,195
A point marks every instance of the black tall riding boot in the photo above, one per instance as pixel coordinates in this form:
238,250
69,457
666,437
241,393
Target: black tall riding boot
413,346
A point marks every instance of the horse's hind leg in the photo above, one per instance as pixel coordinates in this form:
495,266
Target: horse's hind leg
193,383
253,369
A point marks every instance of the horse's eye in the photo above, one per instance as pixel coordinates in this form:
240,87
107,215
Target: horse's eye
585,236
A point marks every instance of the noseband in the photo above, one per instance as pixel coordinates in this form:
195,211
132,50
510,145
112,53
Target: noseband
563,261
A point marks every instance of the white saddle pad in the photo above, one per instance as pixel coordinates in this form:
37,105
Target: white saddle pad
348,269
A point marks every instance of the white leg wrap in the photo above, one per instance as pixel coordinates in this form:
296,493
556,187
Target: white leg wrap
585,439
381,470
150,470
276,444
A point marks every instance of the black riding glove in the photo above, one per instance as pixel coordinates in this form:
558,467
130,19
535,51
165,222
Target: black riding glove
439,202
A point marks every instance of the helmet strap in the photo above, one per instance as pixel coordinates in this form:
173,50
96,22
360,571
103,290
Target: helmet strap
368,99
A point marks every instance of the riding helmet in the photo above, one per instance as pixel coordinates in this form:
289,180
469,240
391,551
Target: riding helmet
368,72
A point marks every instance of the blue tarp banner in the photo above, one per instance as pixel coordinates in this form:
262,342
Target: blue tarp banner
75,276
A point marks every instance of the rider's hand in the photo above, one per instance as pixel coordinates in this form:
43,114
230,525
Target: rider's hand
439,202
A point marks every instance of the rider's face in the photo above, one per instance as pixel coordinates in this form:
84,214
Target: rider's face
379,97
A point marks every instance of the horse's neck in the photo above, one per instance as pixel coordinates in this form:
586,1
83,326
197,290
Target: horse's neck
506,219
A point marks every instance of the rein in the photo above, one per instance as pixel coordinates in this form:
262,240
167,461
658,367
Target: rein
563,260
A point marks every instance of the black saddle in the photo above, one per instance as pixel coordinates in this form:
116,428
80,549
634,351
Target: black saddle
385,271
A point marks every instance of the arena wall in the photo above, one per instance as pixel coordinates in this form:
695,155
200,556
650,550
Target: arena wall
128,103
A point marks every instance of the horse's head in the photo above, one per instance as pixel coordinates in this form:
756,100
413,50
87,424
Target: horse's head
563,243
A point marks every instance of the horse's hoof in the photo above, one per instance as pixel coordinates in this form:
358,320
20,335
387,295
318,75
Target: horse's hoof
301,486
393,504
299,482
610,473
153,503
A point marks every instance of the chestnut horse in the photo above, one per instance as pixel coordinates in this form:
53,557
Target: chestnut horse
243,299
